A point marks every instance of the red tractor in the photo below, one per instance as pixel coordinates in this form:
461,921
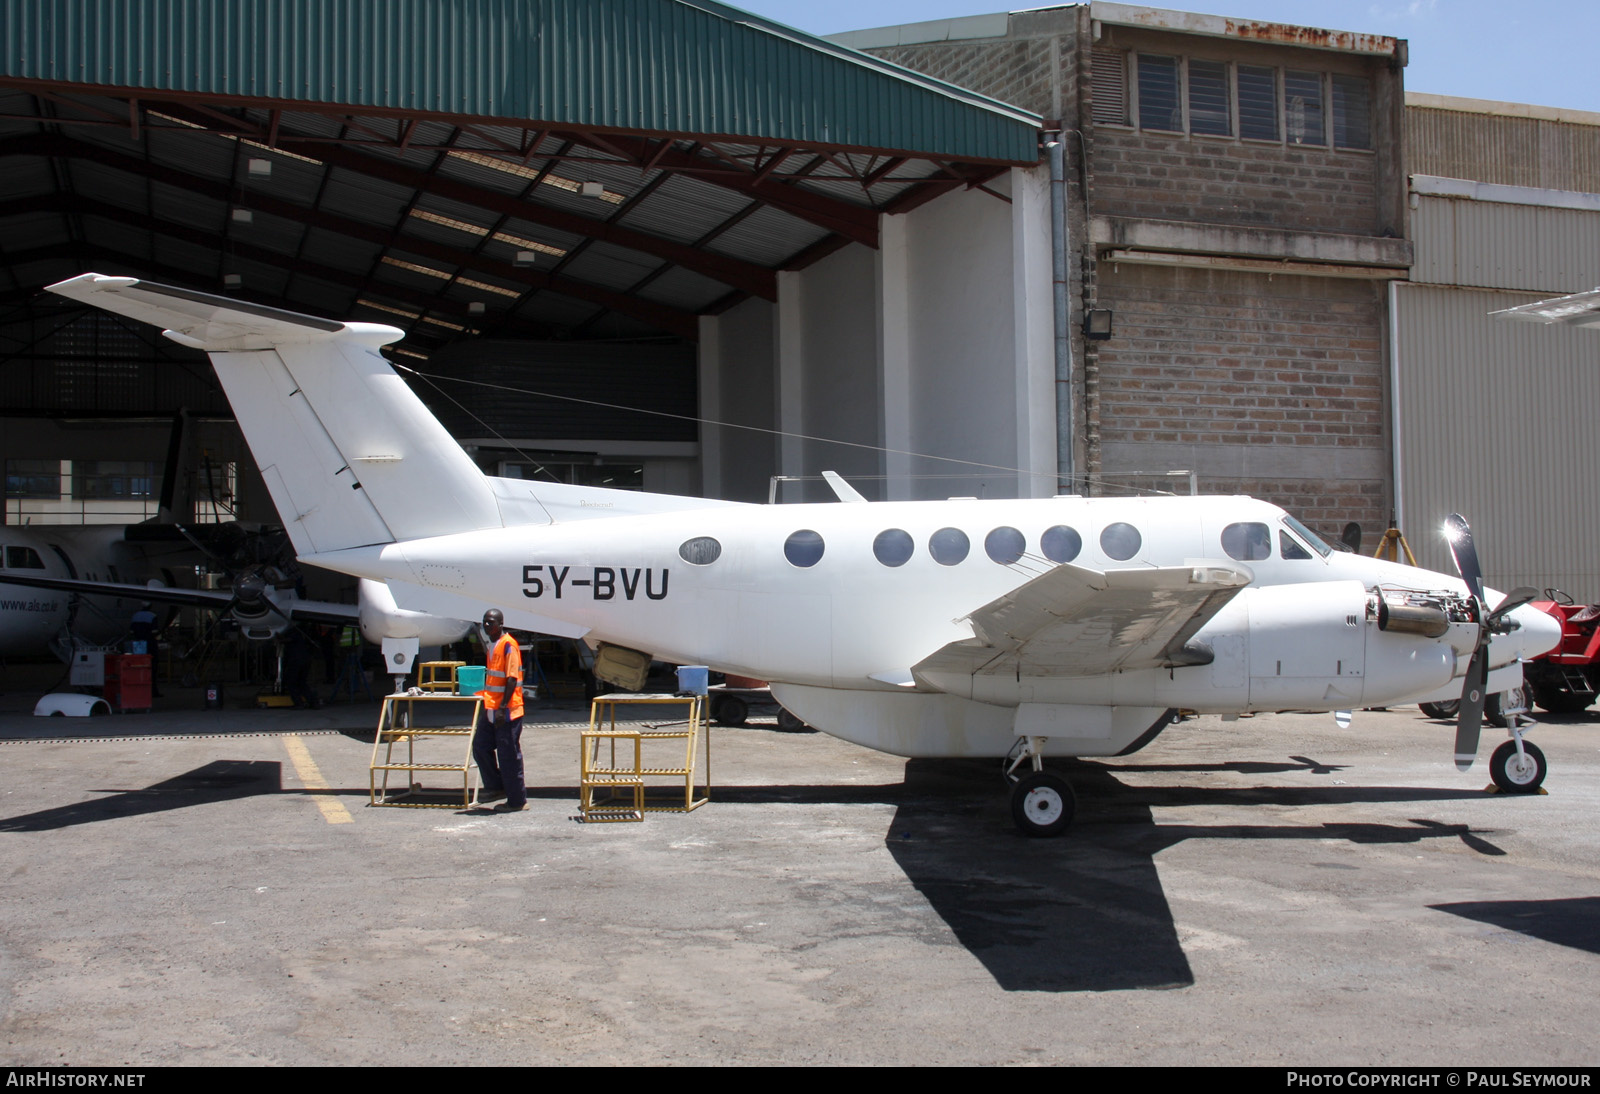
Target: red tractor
1565,680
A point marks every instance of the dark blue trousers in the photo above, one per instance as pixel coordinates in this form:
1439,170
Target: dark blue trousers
497,748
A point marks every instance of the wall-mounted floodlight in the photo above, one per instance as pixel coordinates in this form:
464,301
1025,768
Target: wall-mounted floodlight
1097,324
232,281
525,258
259,168
242,216
592,189
475,308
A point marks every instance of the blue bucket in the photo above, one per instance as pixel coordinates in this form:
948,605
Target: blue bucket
693,679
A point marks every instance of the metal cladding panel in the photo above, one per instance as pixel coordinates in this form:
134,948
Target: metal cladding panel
1492,245
1495,421
1516,151
633,64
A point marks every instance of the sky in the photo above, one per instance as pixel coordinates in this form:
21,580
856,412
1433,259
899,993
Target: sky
1520,51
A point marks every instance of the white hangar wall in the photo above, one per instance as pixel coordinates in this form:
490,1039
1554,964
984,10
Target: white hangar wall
939,343
1496,419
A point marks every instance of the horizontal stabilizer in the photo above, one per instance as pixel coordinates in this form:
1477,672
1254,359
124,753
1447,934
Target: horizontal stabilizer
202,321
301,611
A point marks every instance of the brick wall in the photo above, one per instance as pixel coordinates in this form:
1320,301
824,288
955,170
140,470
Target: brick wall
1234,182
1226,363
1015,71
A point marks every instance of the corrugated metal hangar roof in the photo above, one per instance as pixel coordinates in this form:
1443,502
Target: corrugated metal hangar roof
506,168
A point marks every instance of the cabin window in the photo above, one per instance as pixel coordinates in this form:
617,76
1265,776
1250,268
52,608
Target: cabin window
1061,544
23,558
1289,547
1121,541
949,546
803,548
893,547
1247,541
1004,545
700,551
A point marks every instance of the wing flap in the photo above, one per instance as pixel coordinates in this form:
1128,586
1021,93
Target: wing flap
1073,621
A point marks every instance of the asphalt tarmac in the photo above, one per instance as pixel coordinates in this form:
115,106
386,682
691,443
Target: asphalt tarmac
192,887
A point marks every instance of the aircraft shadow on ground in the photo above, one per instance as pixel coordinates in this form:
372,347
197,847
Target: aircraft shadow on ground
218,781
1086,912
1573,922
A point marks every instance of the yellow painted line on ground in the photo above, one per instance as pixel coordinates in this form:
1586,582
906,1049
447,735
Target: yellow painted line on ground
333,810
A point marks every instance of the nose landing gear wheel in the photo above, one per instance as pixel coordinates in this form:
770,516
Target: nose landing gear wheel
1517,774
1042,804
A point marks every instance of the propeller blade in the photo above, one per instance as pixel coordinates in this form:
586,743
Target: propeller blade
1351,537
1473,695
1459,535
1515,599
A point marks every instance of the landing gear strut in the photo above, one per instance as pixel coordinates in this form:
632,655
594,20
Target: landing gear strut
1042,803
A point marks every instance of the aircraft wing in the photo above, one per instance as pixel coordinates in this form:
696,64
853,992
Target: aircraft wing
301,611
1072,621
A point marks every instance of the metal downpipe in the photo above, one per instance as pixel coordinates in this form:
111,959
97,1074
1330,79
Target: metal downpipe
1066,476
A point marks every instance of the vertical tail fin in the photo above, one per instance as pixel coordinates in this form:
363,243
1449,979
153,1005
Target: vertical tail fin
349,453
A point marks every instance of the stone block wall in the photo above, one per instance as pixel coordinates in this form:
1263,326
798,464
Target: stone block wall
1235,183
1270,387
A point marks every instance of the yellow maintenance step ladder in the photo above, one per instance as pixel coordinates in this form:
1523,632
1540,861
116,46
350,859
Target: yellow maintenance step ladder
397,724
614,790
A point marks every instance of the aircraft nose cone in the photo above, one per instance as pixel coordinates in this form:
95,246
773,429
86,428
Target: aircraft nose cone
1538,632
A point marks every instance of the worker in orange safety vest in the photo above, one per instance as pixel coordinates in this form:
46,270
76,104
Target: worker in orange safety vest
497,738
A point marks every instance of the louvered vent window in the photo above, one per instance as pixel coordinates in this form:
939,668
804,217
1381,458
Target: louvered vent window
1209,112
1110,87
1302,96
1258,103
1159,105
1218,99
1352,116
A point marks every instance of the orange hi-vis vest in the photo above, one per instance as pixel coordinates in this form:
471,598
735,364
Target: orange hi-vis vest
505,662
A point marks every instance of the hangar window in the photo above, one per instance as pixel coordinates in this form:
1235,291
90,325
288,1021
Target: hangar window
893,547
1214,98
1120,541
1004,545
23,558
1302,107
700,551
1061,544
1160,105
1247,541
803,548
949,546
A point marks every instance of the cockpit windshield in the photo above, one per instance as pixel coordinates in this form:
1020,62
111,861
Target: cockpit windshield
1311,538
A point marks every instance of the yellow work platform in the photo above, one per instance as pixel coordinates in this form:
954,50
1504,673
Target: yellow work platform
616,791
396,724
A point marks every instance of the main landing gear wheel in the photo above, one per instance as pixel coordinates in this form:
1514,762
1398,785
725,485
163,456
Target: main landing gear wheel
1495,710
1443,711
1042,804
1516,774
731,710
790,723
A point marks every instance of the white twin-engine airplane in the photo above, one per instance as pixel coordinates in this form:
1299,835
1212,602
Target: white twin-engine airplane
924,629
